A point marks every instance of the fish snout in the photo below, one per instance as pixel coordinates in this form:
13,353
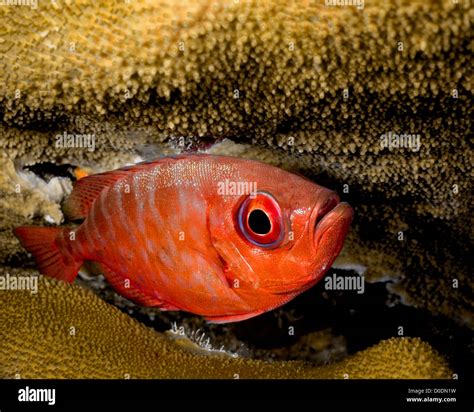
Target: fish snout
333,216
329,204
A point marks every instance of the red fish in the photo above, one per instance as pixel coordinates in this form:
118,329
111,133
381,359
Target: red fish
217,236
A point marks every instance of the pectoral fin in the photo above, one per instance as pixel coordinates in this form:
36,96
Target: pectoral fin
128,289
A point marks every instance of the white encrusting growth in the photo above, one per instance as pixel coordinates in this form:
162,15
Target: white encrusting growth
55,190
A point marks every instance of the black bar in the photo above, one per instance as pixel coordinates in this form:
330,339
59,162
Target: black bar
151,392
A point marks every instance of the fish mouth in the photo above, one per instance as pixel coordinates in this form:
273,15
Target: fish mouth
331,202
334,217
331,224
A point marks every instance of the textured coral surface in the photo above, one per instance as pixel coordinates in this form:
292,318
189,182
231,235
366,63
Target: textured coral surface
65,331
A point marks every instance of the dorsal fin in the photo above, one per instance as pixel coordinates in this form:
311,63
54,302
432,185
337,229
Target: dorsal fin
86,190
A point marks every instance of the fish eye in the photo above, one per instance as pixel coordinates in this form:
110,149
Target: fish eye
260,220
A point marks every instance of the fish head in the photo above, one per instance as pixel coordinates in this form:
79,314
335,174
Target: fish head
282,237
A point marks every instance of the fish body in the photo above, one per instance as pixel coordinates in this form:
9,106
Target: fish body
218,236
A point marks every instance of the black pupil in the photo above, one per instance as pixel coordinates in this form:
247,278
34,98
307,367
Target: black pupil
259,222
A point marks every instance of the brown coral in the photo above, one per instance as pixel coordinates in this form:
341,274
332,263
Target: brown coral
65,331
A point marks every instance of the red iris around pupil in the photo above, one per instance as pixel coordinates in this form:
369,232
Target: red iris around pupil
260,220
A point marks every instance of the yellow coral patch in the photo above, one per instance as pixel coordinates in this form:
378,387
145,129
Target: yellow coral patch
65,331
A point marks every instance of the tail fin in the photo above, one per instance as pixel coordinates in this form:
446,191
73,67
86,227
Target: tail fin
41,242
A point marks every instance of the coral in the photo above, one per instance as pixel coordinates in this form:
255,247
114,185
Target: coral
68,332
394,351
19,201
